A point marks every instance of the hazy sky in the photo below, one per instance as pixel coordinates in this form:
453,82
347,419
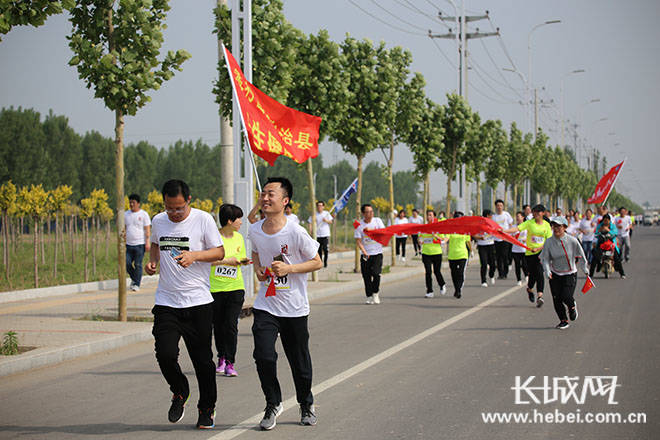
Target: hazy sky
616,43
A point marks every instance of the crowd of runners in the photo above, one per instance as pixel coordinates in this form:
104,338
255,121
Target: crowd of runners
201,289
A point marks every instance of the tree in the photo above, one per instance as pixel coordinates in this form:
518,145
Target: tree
59,199
116,49
30,12
458,124
34,203
7,201
87,206
480,146
497,159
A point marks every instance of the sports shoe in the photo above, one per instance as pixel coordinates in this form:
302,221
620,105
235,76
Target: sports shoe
492,281
519,283
403,259
230,371
539,302
484,285
307,415
563,325
530,295
205,419
623,277
457,294
177,408
270,416
222,364
429,295
376,298
370,300
573,313
135,288
443,291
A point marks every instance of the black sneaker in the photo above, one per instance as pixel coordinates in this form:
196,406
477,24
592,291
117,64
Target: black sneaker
307,415
530,295
562,325
457,294
176,409
270,416
573,313
205,419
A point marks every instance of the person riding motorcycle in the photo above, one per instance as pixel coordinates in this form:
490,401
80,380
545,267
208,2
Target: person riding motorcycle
606,241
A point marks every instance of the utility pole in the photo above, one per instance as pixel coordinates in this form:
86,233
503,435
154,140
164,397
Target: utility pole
462,22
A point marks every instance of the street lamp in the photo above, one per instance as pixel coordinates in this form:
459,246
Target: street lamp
561,92
581,120
529,55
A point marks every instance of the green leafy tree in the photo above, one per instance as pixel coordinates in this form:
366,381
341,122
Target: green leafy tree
480,147
497,159
7,202
425,141
29,12
59,199
34,202
116,48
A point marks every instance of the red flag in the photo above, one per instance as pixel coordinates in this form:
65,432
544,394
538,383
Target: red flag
588,284
271,290
471,225
356,224
606,184
273,129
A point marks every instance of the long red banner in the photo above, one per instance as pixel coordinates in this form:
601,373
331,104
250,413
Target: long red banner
273,129
471,225
606,184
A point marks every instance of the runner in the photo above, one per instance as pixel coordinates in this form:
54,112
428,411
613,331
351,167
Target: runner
538,230
519,251
227,288
486,247
283,253
432,257
323,221
573,220
371,259
527,210
418,220
502,248
587,228
624,225
559,255
458,252
288,211
401,239
184,241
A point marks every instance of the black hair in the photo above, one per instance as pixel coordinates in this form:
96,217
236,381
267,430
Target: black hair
623,207
229,212
521,213
284,183
538,208
486,212
458,214
364,206
288,205
526,206
174,187
134,197
321,202
415,210
431,210
499,201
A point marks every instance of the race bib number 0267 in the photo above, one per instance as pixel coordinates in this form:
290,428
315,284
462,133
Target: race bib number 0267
226,271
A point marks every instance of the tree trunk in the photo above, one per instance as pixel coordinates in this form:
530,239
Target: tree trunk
35,233
312,205
479,206
5,242
86,240
358,201
107,238
515,198
427,195
452,172
71,238
57,228
390,164
43,248
94,235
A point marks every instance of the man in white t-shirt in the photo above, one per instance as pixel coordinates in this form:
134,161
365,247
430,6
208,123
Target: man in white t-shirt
184,241
323,222
502,248
587,227
283,253
288,211
418,220
138,230
624,224
371,260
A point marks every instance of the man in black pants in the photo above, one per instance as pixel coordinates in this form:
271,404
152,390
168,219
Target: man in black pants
371,259
502,248
283,253
323,221
486,248
183,306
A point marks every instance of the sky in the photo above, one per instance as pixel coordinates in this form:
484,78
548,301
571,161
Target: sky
617,44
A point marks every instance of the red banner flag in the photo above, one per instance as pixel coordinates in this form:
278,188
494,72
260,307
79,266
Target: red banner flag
271,290
273,129
588,284
606,184
471,225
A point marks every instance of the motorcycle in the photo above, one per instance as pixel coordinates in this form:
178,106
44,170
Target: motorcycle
607,260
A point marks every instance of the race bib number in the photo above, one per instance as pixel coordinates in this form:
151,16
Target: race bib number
282,283
536,239
367,239
226,272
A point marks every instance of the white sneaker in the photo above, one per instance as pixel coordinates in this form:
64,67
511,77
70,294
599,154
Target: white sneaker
376,298
492,281
135,288
370,300
484,285
519,283
429,295
403,259
443,291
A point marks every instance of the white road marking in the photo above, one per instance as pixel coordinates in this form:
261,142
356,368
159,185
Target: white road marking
251,423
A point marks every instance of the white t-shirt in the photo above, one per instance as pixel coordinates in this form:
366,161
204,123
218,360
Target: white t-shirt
487,240
622,223
588,227
371,246
296,246
401,221
293,218
322,228
416,220
504,220
521,236
135,224
184,286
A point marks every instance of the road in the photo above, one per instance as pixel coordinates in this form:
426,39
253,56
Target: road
409,368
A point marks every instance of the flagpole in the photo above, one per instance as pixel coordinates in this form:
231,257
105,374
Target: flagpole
240,112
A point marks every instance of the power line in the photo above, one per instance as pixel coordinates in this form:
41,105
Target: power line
411,7
443,53
488,85
383,21
499,71
396,16
483,70
504,49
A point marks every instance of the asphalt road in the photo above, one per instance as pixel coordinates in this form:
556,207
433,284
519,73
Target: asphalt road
409,368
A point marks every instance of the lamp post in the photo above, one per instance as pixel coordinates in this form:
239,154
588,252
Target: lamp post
529,55
581,120
561,92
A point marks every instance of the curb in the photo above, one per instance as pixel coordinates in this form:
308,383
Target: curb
34,359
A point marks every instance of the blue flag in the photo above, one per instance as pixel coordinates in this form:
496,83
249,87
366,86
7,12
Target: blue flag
343,200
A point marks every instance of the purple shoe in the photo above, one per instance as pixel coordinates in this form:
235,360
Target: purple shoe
221,366
229,370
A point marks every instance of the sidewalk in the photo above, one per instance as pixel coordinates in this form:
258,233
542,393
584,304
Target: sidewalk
67,322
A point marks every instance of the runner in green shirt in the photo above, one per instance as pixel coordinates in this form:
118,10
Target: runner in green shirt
432,257
458,251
